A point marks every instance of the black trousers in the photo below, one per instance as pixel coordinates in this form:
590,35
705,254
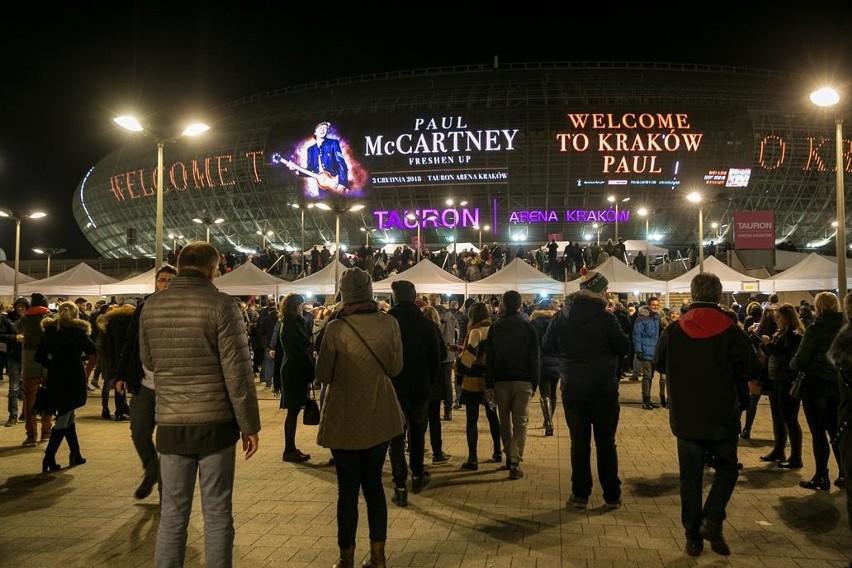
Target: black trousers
598,418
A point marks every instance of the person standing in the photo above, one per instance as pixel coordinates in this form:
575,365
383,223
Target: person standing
13,338
206,402
840,353
450,333
590,341
361,349
62,350
512,375
646,332
541,318
704,354
132,376
31,370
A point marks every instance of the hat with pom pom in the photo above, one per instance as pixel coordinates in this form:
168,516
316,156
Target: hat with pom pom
593,281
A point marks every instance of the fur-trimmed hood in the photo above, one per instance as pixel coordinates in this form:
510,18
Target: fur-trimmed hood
582,295
85,326
121,311
542,314
840,352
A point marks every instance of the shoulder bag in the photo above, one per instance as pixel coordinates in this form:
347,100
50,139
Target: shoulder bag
796,385
367,345
311,416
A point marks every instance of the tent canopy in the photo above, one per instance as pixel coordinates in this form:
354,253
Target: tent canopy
79,280
732,281
247,280
520,276
427,277
7,279
320,283
141,284
622,279
814,272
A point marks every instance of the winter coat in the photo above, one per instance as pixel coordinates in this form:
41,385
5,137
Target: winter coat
294,362
361,409
590,342
779,353
62,351
646,332
840,353
9,335
512,352
30,326
540,320
449,331
704,355
129,367
421,360
114,333
821,376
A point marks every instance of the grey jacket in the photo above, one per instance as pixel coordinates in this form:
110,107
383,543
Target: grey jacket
194,339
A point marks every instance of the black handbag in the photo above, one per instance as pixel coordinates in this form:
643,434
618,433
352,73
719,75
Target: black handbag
796,386
42,404
311,415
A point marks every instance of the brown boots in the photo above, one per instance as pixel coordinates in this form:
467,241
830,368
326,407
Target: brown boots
347,558
377,555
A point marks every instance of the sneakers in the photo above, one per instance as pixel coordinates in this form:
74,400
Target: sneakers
515,471
441,458
30,442
613,504
470,465
400,497
122,417
419,483
11,421
578,502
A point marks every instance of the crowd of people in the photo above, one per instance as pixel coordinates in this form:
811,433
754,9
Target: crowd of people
391,371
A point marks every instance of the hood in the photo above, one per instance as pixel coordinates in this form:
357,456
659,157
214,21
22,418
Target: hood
125,310
542,314
644,310
80,324
705,320
36,311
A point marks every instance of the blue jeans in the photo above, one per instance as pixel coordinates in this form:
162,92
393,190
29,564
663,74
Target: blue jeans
14,386
585,418
692,457
513,401
216,473
267,369
359,470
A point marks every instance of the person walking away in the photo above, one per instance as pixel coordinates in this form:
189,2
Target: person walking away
421,368
821,385
206,402
437,394
840,353
62,350
31,371
704,354
646,332
133,377
114,333
541,319
779,349
361,349
294,371
512,375
13,339
590,341
450,333
757,385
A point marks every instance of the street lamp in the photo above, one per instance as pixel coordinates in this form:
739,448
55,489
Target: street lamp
174,239
614,199
302,256
695,197
416,217
132,124
643,212
17,217
338,209
264,237
828,97
367,232
480,229
450,202
208,221
49,251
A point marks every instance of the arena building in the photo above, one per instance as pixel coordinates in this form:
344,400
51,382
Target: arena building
525,152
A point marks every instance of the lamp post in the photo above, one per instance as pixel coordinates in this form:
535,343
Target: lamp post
695,197
174,239
643,212
614,199
338,210
132,124
49,251
598,228
828,97
367,232
17,217
207,221
450,202
264,237
302,225
480,229
416,217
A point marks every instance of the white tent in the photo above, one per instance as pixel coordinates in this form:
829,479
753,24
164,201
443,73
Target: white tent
622,279
732,281
635,246
7,279
428,278
814,272
520,276
321,282
140,284
247,280
459,247
80,280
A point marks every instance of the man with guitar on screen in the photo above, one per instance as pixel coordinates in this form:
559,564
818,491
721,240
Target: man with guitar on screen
325,163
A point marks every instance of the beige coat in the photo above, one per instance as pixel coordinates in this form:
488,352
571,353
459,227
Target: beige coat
361,409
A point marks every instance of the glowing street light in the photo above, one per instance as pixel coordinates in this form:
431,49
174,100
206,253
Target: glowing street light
17,217
338,210
480,229
615,200
207,221
265,237
132,124
367,232
643,212
174,239
827,97
695,197
49,251
416,217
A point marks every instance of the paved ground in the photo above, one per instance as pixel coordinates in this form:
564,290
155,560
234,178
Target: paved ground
285,513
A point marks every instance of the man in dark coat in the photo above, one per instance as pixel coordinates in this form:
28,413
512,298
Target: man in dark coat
12,339
421,369
704,354
590,342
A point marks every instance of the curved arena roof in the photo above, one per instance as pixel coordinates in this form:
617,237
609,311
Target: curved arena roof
534,150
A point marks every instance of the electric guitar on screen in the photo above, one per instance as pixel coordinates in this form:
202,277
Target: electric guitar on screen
324,179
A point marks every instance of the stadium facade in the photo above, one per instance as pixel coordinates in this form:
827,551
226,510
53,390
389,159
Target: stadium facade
534,150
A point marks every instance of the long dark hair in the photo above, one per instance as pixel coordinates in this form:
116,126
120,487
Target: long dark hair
289,307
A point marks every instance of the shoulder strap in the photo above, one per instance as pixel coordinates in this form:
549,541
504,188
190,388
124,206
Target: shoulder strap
367,345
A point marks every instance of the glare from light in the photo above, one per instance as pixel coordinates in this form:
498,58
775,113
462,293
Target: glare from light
323,206
825,97
357,207
195,129
37,215
128,123
642,212
695,197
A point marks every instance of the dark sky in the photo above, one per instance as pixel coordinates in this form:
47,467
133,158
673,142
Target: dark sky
68,70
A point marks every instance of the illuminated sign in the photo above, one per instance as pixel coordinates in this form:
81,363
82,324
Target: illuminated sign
754,229
570,216
427,218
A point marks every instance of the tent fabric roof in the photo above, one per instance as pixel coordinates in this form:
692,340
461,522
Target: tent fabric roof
427,277
7,279
141,284
80,280
622,279
732,281
520,276
247,280
814,272
321,282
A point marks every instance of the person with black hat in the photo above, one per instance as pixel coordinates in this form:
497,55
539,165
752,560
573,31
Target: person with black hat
31,370
13,339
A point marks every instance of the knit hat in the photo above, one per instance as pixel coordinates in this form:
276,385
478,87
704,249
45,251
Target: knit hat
355,286
37,299
21,302
593,281
403,291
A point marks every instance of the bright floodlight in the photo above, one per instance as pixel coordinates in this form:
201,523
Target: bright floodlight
195,129
218,220
825,97
642,212
323,206
695,197
357,207
129,123
37,215
38,250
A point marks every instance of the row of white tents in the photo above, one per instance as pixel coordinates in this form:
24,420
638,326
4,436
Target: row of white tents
813,273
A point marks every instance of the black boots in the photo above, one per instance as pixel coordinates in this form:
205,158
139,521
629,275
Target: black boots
49,461
74,457
819,482
547,412
377,555
347,558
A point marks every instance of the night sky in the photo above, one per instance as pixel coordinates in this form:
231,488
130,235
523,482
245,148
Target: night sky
67,71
